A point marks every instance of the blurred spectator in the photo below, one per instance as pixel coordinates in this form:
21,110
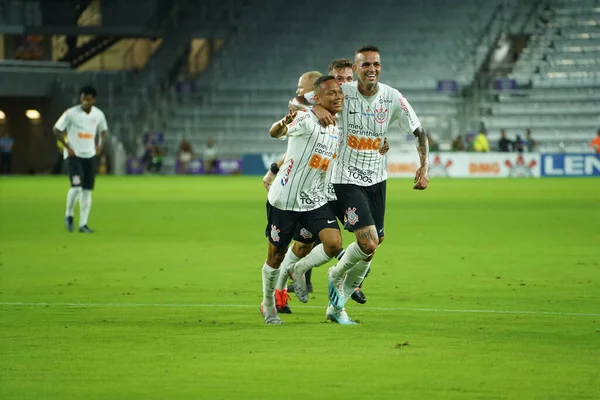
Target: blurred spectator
595,143
148,151
157,159
6,145
518,145
103,167
458,144
185,154
58,165
210,156
504,144
530,144
433,145
481,144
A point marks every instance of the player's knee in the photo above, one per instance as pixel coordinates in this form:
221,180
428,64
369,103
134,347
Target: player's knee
368,246
381,240
302,249
333,247
274,260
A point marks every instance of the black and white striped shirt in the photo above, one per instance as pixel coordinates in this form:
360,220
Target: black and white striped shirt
364,124
300,184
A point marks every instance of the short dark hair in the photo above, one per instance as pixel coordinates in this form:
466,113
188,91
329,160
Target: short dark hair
368,47
340,63
322,79
88,90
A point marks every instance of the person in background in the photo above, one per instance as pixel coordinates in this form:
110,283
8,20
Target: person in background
458,144
595,143
518,145
504,144
433,145
6,145
148,153
210,156
185,154
481,144
530,144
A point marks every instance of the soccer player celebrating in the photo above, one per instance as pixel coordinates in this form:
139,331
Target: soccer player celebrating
359,174
297,196
77,129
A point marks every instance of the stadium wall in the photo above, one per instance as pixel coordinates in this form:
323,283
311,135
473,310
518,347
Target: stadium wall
469,165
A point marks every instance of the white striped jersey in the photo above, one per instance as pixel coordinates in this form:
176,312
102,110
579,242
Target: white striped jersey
364,124
300,183
82,129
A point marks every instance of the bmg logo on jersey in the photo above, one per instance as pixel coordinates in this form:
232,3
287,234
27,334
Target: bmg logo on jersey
360,175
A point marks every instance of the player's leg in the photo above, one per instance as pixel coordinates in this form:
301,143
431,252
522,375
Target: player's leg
75,174
354,201
280,227
376,196
322,221
303,242
358,295
88,166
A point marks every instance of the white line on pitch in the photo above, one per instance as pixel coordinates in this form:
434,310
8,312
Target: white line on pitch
441,310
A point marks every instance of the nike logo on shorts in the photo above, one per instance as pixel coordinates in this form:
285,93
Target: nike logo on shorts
330,222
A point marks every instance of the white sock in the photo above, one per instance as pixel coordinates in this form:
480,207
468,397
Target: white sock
85,205
352,255
289,259
269,276
72,197
355,277
315,258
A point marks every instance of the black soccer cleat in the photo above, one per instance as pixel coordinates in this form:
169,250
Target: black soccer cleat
85,229
69,223
358,296
284,310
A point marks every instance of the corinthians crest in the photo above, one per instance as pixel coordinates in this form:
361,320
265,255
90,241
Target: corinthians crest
351,216
381,115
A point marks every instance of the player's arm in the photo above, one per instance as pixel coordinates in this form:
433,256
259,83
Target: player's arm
103,128
409,122
280,128
272,172
60,130
422,175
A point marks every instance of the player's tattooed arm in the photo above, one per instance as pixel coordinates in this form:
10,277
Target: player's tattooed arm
279,128
422,175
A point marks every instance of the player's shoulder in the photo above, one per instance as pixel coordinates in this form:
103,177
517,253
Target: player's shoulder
305,119
71,110
388,90
350,87
97,111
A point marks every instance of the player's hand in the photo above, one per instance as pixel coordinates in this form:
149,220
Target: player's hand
324,116
289,117
421,178
98,150
70,152
268,179
385,148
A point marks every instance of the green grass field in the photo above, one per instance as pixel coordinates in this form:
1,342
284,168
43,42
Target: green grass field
484,289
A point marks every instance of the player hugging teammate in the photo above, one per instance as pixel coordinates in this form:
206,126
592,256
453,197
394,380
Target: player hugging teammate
358,176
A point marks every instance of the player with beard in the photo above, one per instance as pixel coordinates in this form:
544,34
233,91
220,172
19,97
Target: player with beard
359,173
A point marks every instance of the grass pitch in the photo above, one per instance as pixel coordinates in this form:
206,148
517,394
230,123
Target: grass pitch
483,289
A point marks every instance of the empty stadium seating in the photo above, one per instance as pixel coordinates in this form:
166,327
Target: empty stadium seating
248,86
559,76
